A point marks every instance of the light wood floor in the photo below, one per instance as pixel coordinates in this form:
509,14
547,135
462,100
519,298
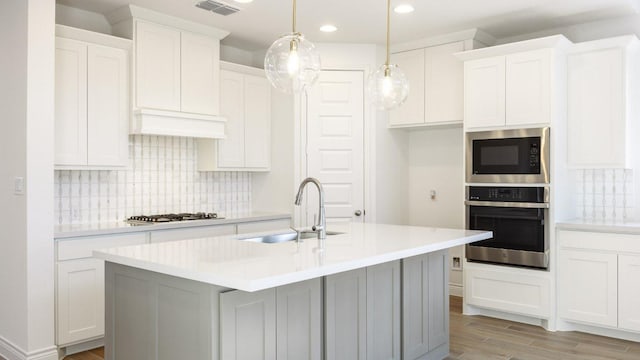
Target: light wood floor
482,338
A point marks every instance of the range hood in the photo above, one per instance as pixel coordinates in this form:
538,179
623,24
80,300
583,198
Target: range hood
174,123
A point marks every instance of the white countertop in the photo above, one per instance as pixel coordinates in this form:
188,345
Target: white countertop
105,228
600,226
228,262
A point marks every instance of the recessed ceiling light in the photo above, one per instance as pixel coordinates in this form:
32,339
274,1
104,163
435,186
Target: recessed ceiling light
328,28
403,9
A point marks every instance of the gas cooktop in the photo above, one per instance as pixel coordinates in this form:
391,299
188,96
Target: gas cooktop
163,218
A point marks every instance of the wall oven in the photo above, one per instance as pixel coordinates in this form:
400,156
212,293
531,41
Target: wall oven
518,218
508,156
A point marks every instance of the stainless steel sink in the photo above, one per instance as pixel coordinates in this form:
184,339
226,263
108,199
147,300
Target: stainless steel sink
284,237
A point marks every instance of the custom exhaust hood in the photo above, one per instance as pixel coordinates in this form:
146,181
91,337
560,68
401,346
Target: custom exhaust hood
176,73
173,123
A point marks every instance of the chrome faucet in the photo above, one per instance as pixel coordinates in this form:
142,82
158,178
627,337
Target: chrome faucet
321,226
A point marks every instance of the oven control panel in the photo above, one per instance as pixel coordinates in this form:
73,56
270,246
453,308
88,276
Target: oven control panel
507,194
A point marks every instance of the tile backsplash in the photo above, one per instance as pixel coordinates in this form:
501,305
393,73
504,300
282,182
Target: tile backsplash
605,194
161,178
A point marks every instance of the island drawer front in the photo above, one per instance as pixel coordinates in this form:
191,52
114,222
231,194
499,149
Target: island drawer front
191,233
79,248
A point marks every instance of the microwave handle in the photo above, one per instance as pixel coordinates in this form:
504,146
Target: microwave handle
507,204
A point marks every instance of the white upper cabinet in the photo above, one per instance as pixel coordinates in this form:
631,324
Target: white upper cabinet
412,111
514,85
509,90
435,86
444,84
528,87
176,76
176,70
157,72
484,92
200,74
601,88
246,104
92,100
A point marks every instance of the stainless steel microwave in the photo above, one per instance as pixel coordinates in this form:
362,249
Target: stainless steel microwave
508,156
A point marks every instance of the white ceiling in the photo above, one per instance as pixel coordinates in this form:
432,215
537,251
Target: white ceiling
363,21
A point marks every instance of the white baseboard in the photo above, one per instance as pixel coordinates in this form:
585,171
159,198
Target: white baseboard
455,290
10,351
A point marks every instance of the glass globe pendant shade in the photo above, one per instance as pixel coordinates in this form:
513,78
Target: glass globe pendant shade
388,87
292,63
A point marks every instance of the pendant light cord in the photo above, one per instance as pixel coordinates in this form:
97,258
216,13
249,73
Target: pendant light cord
294,16
388,27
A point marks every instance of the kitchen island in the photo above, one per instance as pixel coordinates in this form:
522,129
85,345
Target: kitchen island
376,292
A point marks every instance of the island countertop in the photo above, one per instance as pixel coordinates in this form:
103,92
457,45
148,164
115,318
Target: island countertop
229,262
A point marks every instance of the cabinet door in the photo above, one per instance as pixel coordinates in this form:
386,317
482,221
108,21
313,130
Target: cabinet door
444,84
108,106
629,292
528,91
383,311
484,92
415,307
587,286
596,120
412,111
200,70
80,300
71,103
231,149
257,122
299,321
157,80
346,315
438,299
248,325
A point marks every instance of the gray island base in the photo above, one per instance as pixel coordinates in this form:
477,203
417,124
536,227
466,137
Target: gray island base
379,292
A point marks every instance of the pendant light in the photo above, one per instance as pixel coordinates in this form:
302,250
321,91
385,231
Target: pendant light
292,63
388,86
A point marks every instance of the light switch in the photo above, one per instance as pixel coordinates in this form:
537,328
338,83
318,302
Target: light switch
18,185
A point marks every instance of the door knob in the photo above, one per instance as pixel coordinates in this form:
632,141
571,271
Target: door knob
357,213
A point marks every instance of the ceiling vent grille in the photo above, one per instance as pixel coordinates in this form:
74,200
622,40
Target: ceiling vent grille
217,7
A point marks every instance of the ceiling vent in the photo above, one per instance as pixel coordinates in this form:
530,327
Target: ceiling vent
217,7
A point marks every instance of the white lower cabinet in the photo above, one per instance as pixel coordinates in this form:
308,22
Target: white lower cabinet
629,292
80,302
588,287
191,233
80,286
598,279
248,325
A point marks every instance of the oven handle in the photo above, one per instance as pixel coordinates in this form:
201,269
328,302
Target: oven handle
508,204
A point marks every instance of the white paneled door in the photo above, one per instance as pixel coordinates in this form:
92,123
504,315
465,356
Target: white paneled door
335,147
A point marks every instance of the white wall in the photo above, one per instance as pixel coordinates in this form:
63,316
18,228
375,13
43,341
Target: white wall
436,163
26,148
82,19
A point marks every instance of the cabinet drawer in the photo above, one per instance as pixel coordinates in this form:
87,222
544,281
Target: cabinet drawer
77,248
192,233
260,226
627,243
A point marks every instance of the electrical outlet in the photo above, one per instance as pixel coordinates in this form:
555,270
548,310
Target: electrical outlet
456,263
432,194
